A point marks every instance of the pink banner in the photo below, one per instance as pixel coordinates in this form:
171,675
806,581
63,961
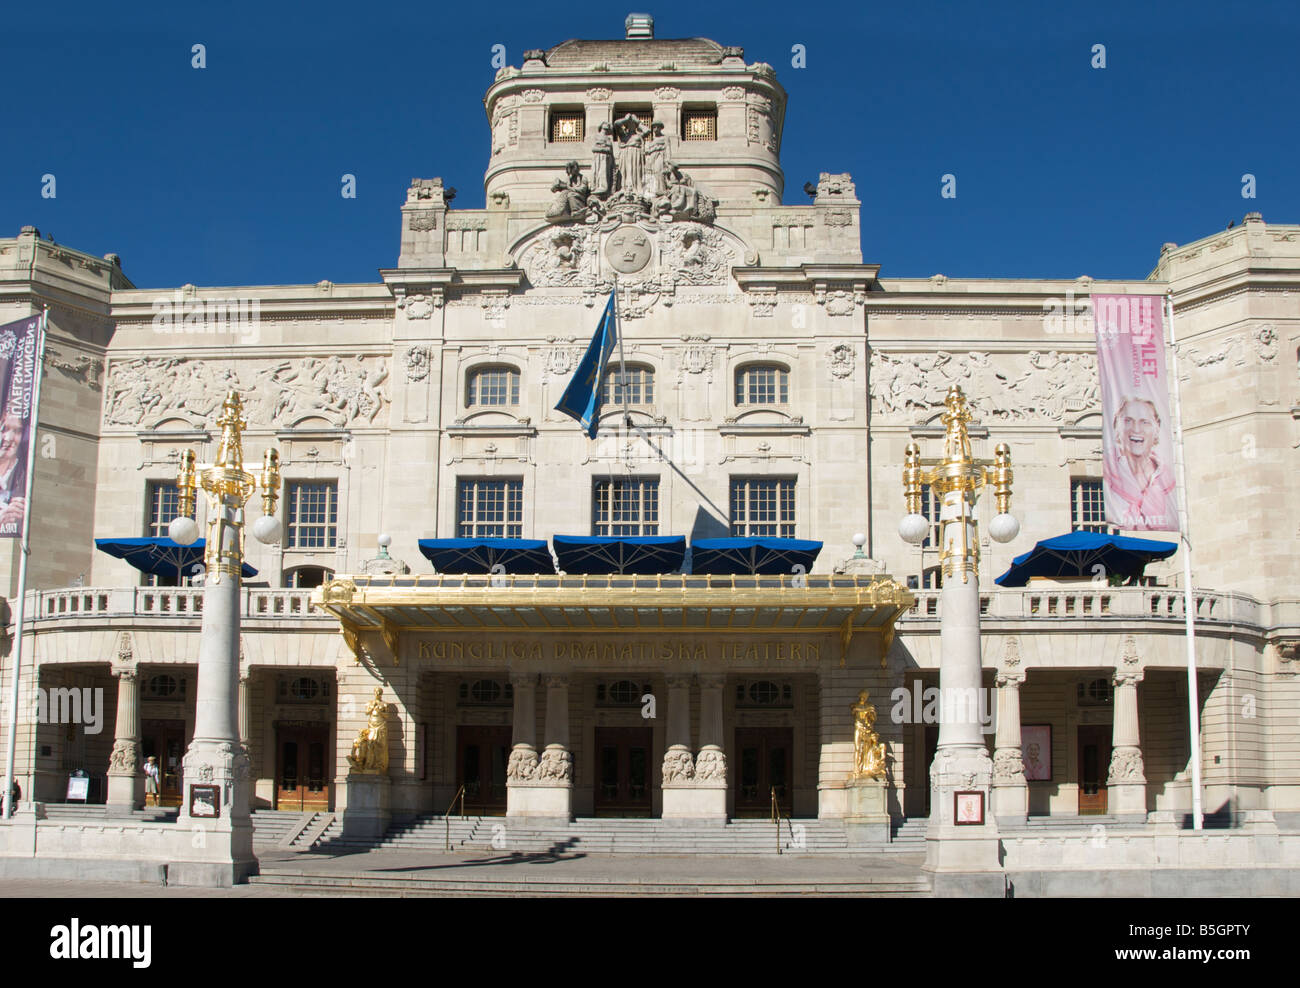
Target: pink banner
17,380
1137,428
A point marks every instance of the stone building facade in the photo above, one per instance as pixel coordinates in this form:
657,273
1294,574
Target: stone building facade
774,379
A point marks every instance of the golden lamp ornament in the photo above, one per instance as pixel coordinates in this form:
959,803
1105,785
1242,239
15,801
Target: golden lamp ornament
228,487
956,479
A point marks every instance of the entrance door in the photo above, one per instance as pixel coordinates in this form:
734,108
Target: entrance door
765,758
481,757
931,747
623,771
1094,765
165,740
301,770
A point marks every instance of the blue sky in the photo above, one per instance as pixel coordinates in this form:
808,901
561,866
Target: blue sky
231,175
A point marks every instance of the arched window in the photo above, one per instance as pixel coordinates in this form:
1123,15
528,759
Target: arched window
762,384
492,386
637,381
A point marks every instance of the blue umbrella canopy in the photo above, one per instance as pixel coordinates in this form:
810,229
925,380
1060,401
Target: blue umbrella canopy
762,557
643,555
1076,554
160,556
482,555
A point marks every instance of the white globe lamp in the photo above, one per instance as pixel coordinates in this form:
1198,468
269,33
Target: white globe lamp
183,530
1004,528
914,529
267,529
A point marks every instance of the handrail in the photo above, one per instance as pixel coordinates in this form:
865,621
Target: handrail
446,817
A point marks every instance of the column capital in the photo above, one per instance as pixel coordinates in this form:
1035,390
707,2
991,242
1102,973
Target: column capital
129,673
678,681
555,679
712,681
1127,676
520,678
1009,678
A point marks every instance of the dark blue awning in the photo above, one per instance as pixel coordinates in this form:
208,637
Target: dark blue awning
481,555
763,557
642,555
1076,554
161,556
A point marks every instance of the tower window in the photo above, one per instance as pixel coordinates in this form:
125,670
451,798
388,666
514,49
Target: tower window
700,125
567,125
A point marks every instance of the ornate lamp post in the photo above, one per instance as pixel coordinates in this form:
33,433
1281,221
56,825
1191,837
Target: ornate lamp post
216,767
962,773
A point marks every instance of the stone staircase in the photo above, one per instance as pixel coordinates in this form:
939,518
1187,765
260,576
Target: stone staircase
598,835
273,826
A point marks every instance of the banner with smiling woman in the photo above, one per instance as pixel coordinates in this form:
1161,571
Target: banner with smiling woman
1137,428
17,385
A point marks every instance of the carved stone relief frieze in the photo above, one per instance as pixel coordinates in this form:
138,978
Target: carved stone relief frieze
144,390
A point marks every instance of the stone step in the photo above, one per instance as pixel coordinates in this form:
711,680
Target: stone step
362,883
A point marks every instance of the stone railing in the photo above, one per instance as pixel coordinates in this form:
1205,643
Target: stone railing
161,602
1125,603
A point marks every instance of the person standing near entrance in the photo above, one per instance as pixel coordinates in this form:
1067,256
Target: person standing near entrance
151,775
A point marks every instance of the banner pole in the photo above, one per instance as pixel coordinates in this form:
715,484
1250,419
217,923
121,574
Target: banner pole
621,382
1189,602
24,545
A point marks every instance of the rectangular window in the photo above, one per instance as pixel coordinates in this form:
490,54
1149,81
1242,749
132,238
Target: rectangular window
762,507
493,386
763,384
638,382
1088,507
566,126
626,507
700,125
490,509
164,505
313,514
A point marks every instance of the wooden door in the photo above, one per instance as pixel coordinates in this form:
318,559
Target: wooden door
302,767
1094,765
481,757
764,762
623,771
165,740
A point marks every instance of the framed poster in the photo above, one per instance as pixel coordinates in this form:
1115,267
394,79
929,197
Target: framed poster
968,808
78,788
205,801
1036,752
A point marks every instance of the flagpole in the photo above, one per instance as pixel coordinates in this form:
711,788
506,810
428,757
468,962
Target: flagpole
24,545
621,383
1189,603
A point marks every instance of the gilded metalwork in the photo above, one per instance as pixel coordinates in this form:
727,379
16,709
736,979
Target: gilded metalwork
227,484
370,750
957,475
868,748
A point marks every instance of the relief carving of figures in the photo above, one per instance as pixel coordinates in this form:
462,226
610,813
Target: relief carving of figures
696,255
560,258
1126,766
144,390
602,160
370,750
417,359
571,195
1008,766
711,766
1057,386
684,201
656,161
631,135
522,765
842,360
678,765
86,370
125,759
556,765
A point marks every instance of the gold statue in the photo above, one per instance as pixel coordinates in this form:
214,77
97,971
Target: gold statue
868,749
370,749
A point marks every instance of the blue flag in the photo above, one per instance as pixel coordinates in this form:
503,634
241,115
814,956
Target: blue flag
582,398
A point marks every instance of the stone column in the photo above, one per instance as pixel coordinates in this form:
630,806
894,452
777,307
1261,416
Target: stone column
246,717
961,761
546,796
224,854
711,763
523,756
1010,790
679,764
1126,783
124,762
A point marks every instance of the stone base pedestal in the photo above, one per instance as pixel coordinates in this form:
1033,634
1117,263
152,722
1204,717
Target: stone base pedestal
216,841
695,803
123,797
369,810
1010,804
1127,800
867,818
965,858
540,804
